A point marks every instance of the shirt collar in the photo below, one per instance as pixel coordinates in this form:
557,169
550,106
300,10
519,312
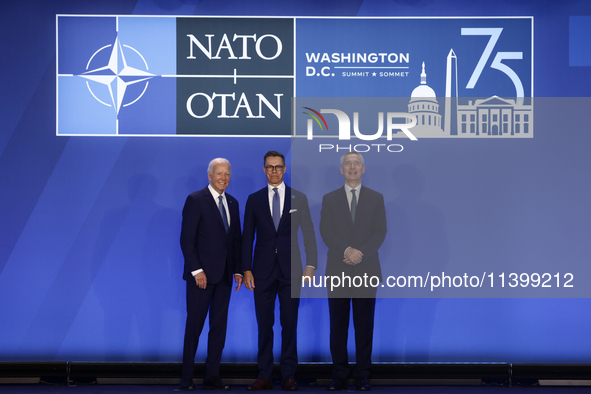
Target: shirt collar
349,188
280,187
215,194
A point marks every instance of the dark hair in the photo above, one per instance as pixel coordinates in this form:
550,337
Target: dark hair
273,153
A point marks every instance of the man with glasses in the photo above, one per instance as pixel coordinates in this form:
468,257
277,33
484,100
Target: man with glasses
353,227
275,213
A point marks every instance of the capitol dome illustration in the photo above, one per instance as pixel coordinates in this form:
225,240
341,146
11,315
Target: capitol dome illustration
424,106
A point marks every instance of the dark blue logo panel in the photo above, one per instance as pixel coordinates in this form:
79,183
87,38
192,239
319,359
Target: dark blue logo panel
235,76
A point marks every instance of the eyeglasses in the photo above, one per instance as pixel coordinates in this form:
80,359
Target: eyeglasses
274,168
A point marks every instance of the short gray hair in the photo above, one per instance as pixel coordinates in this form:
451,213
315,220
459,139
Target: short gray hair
218,160
353,153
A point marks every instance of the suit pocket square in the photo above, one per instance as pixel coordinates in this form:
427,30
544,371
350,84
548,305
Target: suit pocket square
293,210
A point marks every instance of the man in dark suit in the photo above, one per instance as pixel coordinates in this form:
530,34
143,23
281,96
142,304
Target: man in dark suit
353,226
211,245
274,213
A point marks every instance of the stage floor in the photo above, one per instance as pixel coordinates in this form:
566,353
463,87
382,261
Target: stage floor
153,389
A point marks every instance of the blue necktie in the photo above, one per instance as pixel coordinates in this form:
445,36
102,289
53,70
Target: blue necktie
276,209
223,213
353,205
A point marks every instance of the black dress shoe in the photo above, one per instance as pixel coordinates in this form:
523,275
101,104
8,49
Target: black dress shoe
260,384
186,385
289,385
363,385
337,385
215,383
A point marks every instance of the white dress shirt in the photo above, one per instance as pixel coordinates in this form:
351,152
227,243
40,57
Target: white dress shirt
350,195
281,191
216,198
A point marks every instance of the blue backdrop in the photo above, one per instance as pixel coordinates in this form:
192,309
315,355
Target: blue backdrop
90,263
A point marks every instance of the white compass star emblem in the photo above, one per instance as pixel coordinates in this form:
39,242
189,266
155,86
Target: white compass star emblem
117,75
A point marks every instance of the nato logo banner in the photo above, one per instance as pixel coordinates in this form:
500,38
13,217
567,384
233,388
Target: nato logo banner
119,75
209,76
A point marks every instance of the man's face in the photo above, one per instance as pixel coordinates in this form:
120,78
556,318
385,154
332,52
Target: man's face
219,178
274,168
352,169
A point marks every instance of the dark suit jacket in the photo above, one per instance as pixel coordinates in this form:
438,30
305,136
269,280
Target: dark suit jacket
258,219
339,232
204,241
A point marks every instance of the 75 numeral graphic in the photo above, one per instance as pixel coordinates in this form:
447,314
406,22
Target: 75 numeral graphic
494,33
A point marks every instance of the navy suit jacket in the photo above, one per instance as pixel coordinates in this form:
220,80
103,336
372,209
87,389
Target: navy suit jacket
271,242
339,232
204,241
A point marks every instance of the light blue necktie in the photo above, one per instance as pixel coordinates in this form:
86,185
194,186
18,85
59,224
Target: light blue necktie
223,213
276,209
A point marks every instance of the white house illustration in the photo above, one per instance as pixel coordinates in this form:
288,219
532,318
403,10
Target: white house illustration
491,117
494,116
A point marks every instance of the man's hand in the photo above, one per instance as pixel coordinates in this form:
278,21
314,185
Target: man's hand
308,274
249,280
238,279
201,280
353,256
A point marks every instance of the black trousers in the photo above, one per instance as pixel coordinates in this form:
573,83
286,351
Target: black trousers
214,299
265,293
363,322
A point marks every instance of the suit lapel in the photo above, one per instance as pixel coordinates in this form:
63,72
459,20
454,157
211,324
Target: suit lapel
343,205
233,213
362,206
266,206
263,198
286,206
214,206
